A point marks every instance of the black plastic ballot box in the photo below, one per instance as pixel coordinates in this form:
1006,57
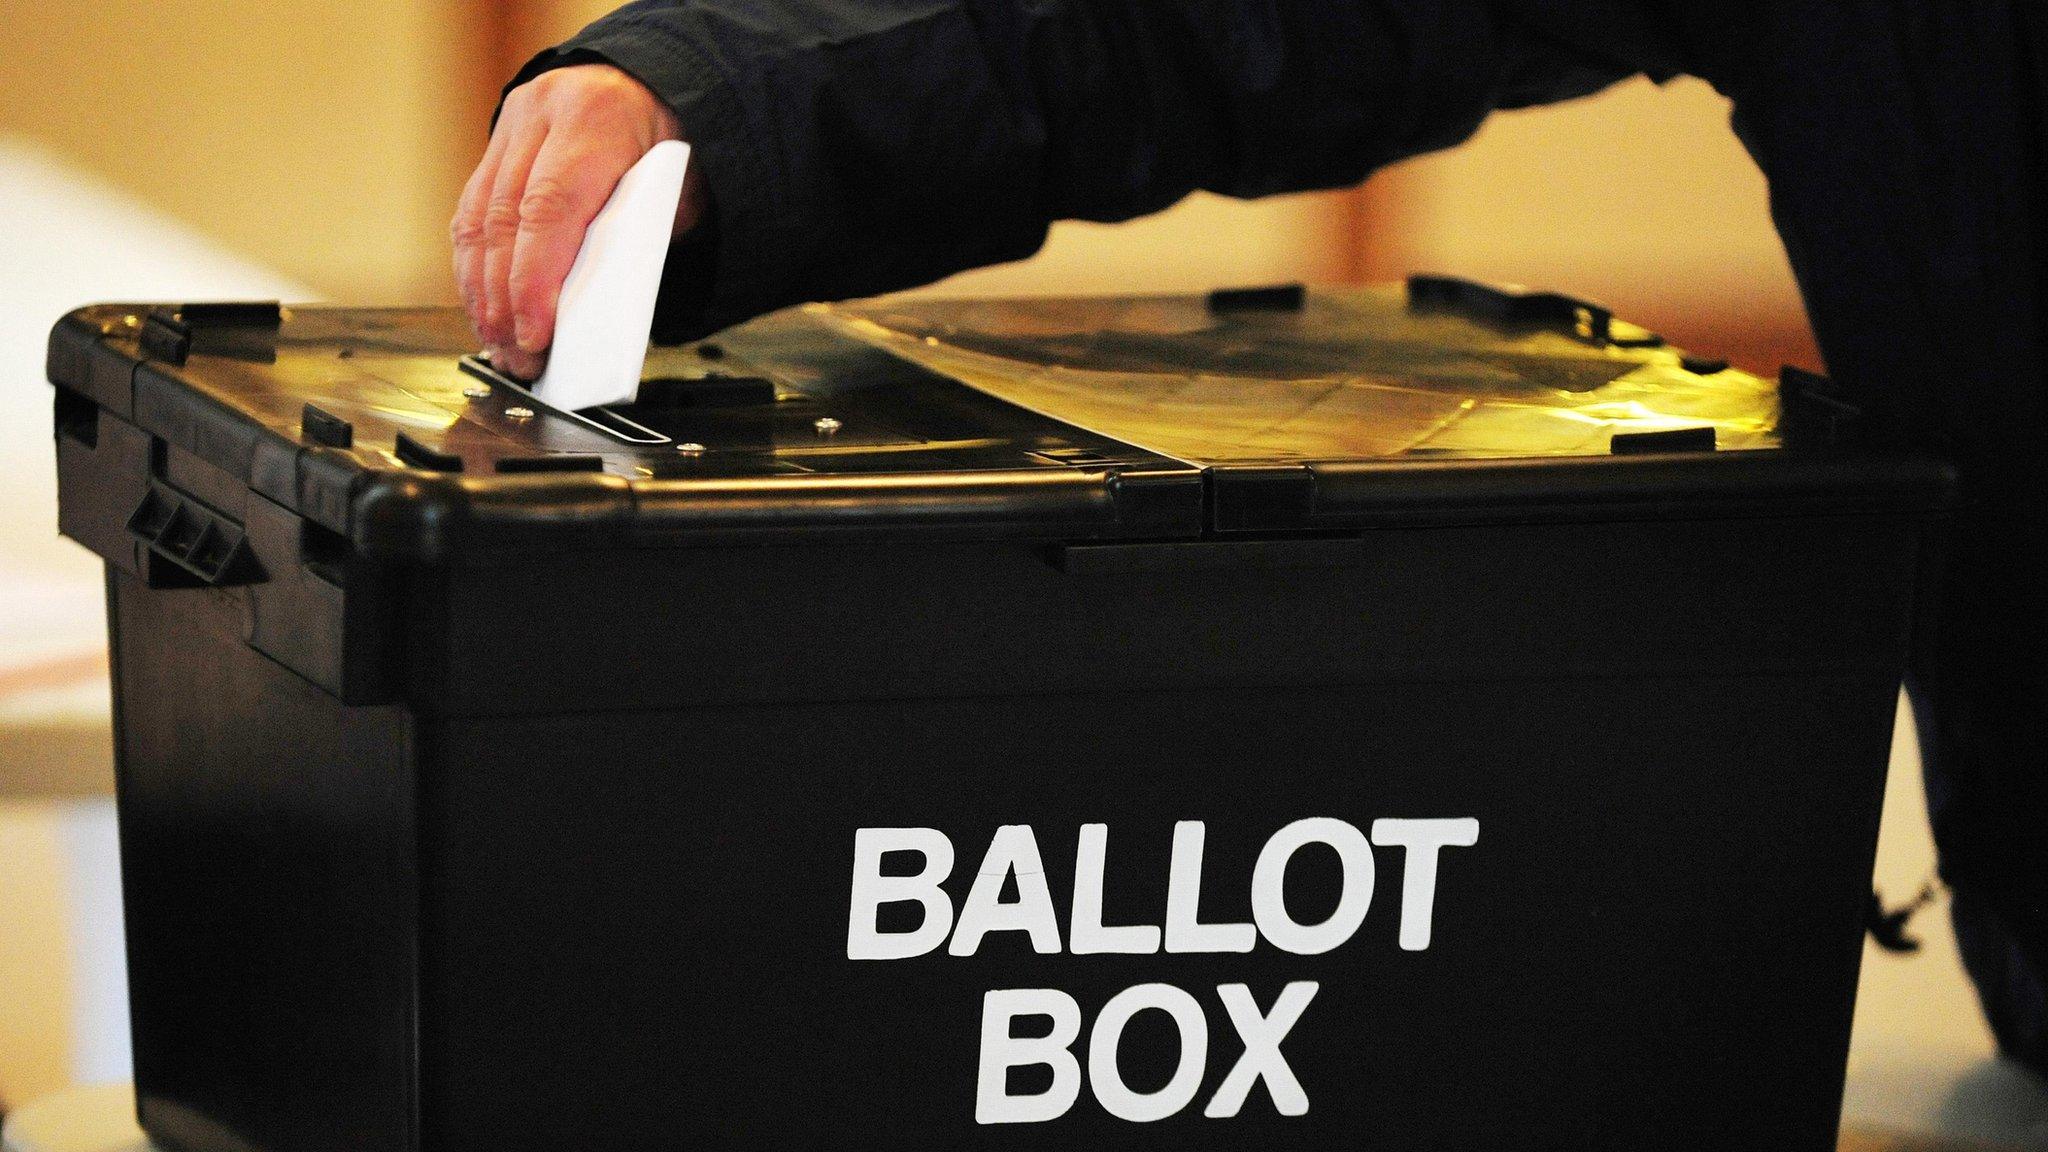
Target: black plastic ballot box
1440,719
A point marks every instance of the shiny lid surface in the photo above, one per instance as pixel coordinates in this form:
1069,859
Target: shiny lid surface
1064,419
1349,374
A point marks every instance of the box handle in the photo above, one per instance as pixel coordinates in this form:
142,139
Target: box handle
202,547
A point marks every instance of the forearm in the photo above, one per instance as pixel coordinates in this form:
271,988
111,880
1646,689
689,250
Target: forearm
854,149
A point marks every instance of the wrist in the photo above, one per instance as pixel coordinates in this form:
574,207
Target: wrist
596,88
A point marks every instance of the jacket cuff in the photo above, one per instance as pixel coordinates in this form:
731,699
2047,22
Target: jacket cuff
735,263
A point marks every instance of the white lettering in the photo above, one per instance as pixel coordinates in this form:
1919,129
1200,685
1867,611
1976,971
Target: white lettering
1262,1059
1184,930
1422,839
1107,1080
1012,852
1086,933
1269,886
871,890
1001,1051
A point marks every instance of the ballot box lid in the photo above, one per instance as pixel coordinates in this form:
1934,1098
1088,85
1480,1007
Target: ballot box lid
1251,411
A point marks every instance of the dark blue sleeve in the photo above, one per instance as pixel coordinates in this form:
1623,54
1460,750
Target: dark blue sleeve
852,149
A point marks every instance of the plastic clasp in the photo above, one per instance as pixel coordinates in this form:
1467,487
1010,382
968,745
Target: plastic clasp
236,331
1512,304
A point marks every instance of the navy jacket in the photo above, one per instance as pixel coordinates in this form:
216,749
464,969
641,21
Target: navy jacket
855,148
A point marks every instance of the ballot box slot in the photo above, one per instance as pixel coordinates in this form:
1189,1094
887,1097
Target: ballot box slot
609,422
749,417
714,413
603,420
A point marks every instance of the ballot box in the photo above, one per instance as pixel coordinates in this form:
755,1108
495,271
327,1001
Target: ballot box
1427,717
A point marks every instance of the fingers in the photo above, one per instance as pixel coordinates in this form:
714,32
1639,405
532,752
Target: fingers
562,142
467,229
501,232
518,364
568,185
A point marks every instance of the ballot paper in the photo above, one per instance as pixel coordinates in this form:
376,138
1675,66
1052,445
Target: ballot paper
607,303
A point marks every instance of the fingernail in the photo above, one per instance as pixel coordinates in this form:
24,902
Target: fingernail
520,337
513,363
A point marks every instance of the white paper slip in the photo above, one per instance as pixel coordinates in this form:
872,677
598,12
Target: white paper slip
607,303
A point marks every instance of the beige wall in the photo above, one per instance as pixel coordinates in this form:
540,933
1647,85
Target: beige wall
326,140
35,991
1201,243
1640,197
329,142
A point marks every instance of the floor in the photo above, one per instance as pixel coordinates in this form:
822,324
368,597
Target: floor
1921,1059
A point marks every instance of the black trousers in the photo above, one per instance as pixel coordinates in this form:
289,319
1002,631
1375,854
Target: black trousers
1981,696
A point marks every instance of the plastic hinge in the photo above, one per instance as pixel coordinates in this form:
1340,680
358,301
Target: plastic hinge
1166,500
1273,298
200,542
1700,439
1259,498
1506,304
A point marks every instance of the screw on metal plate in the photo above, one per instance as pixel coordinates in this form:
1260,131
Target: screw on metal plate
477,391
826,425
519,413
691,449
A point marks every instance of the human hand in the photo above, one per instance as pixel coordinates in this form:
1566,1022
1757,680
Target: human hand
562,142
